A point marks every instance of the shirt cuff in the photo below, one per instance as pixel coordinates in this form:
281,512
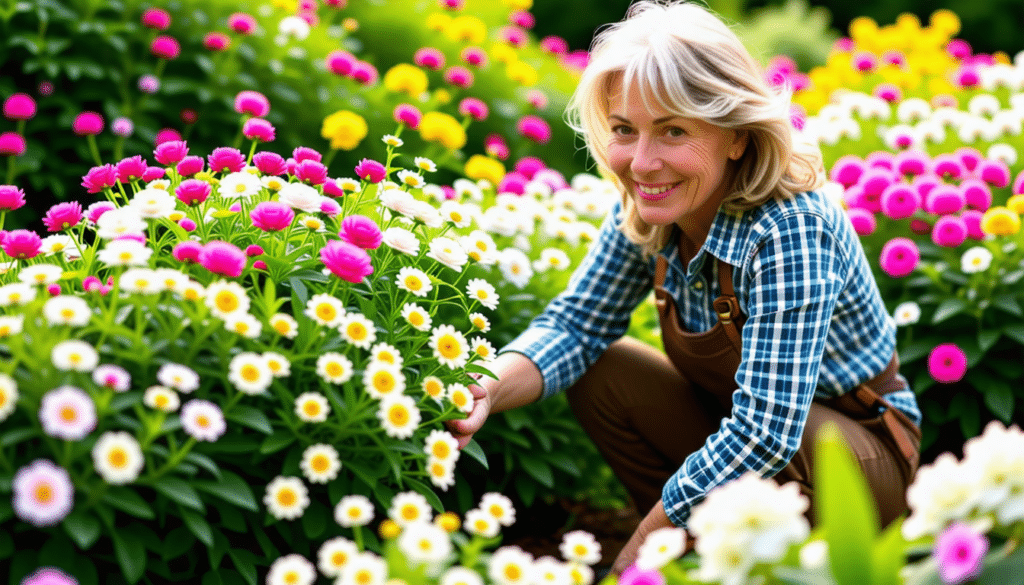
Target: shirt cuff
558,356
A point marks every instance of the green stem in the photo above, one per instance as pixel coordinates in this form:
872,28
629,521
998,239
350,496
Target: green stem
91,140
11,170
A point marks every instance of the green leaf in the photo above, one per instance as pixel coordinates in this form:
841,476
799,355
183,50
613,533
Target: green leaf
844,507
564,462
478,369
426,491
915,351
474,450
176,543
286,93
131,555
948,308
889,556
987,338
1000,400
538,470
15,436
180,491
232,489
245,563
276,442
314,520
204,462
83,528
127,500
231,518
299,292
251,417
516,418
1008,303
1015,331
198,526
6,545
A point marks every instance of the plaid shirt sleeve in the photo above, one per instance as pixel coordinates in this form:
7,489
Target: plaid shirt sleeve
593,311
796,270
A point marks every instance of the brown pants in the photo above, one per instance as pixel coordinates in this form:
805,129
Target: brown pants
646,419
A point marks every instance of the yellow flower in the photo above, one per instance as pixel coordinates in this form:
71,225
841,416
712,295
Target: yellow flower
945,21
406,78
438,21
504,53
466,28
1016,204
287,5
937,85
443,96
484,167
862,28
518,4
522,73
350,24
448,521
389,529
908,23
1000,221
442,128
344,129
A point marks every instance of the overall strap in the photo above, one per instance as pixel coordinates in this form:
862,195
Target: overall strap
727,307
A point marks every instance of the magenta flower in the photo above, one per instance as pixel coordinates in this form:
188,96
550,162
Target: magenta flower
340,62
994,172
797,116
947,363
11,144
242,23
453,5
272,216
894,58
301,153
192,192
187,251
96,210
371,170
972,219
555,45
171,152
864,61
408,114
189,166
165,47
522,18
967,77
458,76
87,124
637,576
156,18
122,126
474,56
429,57
187,224
924,185
911,162
20,106
49,576
899,201
131,169
863,221
529,166
843,45
331,189
969,156
312,172
259,130
53,290
948,166
364,73
63,216
225,158
875,180
899,257
881,159
949,231
474,108
149,84
329,207
252,103
346,261
847,170
222,258
11,198
551,178
977,194
361,231
888,92
216,41
514,182
534,128
944,199
496,146
253,250
514,35
166,135
336,4
269,163
22,244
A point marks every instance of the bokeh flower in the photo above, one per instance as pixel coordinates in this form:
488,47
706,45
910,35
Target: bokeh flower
947,363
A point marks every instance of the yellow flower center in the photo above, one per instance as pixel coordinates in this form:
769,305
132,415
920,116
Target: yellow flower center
413,283
282,327
69,313
416,319
497,511
357,331
287,497
363,577
334,369
240,188
125,256
69,414
226,301
339,558
75,358
311,408
291,577
43,493
580,550
433,388
326,312
437,470
249,372
117,458
320,463
384,382
398,415
459,399
203,421
410,512
513,572
449,346
441,450
161,401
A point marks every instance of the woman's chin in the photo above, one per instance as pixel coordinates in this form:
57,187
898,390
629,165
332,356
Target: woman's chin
657,217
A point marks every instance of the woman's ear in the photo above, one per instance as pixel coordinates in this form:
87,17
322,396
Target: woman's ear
739,144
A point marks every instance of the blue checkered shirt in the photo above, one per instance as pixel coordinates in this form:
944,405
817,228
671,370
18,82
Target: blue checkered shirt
816,327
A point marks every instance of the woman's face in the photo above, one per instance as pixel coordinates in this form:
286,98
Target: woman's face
674,168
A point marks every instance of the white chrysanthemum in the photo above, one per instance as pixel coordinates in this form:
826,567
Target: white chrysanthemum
294,27
510,565
67,413
43,493
480,247
426,214
227,298
312,407
382,379
466,189
300,196
482,349
120,221
57,243
171,279
8,396
449,346
311,223
409,507
286,498
552,258
320,463
976,259
456,213
515,267
483,291
249,373
365,568
152,203
180,377
433,387
580,546
580,574
117,457
354,510
16,294
387,353
347,184
402,240
1002,152
74,355
459,575
192,291
67,310
461,397
11,325
661,547
417,317
41,274
399,416
442,445
202,420
480,322
482,523
422,542
285,325
244,324
143,281
424,164
291,569
548,570
907,313
392,140
996,458
441,473
411,179
334,554
414,280
356,329
913,110
399,201
279,365
725,559
448,252
113,377
124,253
983,104
161,398
334,367
325,310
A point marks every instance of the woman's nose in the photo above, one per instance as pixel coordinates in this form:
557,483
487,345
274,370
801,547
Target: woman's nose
646,156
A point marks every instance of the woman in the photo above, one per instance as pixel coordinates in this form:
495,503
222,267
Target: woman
768,307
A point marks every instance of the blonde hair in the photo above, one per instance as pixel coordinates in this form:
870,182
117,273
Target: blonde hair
692,65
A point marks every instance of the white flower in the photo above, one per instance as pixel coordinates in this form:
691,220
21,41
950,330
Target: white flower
60,243
202,420
311,223
480,247
192,291
548,570
414,280
399,416
227,298
580,574
13,325
433,387
499,506
483,291
422,542
365,568
510,565
1002,152
976,259
515,267
482,523
448,252
112,376
279,365
141,281
814,554
480,322
661,547
441,473
74,355
402,240
456,213
334,367
725,559
243,324
382,379
907,313
291,569
442,445
580,546
320,463
482,349
334,554
182,378
117,457
461,397
347,184
67,310
43,493
8,396
459,575
466,189
161,398
426,214
416,316
551,258
273,182
171,279
354,510
325,310
424,164
249,373
17,293
151,203
411,179
312,407
386,353
409,507
300,196
358,330
120,221
285,325
449,346
392,140
295,27
913,109
398,201
41,274
286,498
996,458
67,413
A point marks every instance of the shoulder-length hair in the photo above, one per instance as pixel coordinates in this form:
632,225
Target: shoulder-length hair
692,65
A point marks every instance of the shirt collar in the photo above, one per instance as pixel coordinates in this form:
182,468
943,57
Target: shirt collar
725,241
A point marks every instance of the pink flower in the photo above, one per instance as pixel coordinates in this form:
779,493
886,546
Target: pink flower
225,158
967,77
19,106
474,56
346,261
972,219
49,576
970,157
514,182
514,35
637,576
994,172
42,476
11,144
253,250
165,47
222,258
153,173
216,41
551,178
408,114
22,244
888,92
864,61
947,363
554,44
166,135
863,221
528,166
252,103
11,198
190,165
958,49
944,199
522,18
187,224
171,152
429,57
458,76
959,552
371,170
87,123
259,265
453,5
874,180
949,231
977,194
329,207
331,189
899,257
364,73
302,153
894,58
258,129
272,216
149,84
495,146
45,88
99,178
53,290
844,45
899,201
847,170
96,210
312,172
156,18
192,192
925,183
797,116
361,231
340,62
242,23
474,108
63,216
534,128
911,162
91,284
269,163
131,169
187,251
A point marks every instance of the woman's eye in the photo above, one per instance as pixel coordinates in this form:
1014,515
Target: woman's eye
675,131
621,130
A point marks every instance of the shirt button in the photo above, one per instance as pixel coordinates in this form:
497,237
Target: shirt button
698,285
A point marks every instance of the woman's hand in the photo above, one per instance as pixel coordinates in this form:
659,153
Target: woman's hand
464,429
654,520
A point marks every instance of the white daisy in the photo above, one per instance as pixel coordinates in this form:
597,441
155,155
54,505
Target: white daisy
286,498
171,279
285,325
43,493
402,240
416,316
461,397
422,542
291,569
510,565
273,183
414,280
192,291
202,420
8,396
141,281
67,413
16,294
312,407
239,185
515,267
483,291
11,325
441,473
161,398
409,507
661,546
552,258
312,223
580,546
59,243
480,322
365,568
347,184
182,378
300,196
482,349
392,140
279,365
427,214
907,313
387,353
399,416
113,377
334,368
120,221
424,164
244,324
466,189
249,373
449,346
358,330
74,355
382,379
482,523
398,200
459,575
320,463
441,445
334,554
117,457
480,247
325,310
976,259
152,203
411,179
354,510
433,387
548,570
448,252
499,506
67,310
125,253
227,298
456,213
41,274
